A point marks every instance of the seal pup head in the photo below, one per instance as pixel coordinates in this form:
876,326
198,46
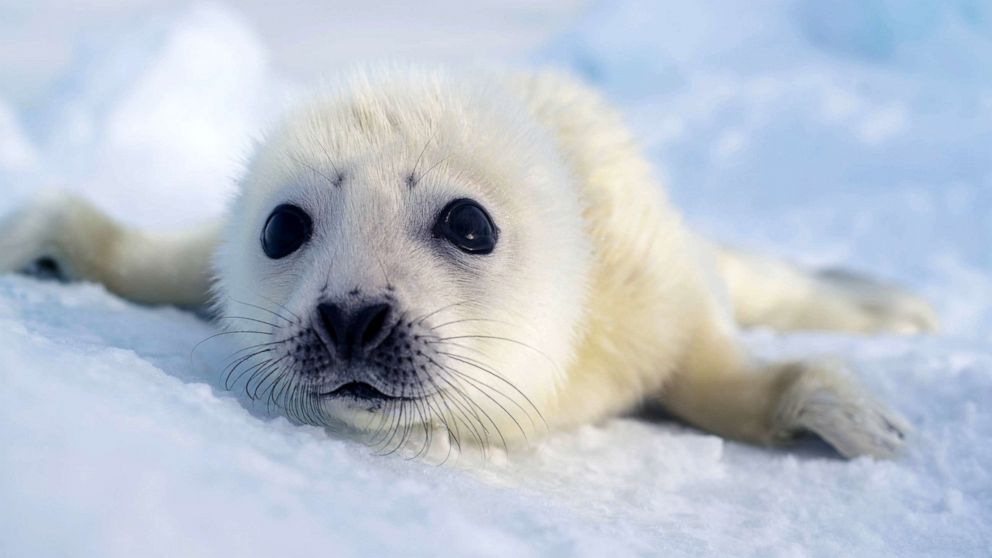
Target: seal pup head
409,254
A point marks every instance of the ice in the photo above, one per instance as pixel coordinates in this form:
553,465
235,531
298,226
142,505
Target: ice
843,133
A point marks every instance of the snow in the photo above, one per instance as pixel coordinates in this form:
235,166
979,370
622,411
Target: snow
853,135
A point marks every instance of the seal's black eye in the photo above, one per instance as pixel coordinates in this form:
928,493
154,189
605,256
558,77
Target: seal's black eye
466,224
285,231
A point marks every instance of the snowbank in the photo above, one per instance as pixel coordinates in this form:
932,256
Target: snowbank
858,137
155,124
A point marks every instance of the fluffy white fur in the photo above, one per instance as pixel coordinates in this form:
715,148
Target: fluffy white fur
596,299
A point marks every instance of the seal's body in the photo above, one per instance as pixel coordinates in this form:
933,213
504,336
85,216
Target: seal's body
483,257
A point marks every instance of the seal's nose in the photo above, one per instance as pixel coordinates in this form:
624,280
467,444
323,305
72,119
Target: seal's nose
353,332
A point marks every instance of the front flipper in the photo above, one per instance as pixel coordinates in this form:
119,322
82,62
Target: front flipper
822,401
63,235
724,391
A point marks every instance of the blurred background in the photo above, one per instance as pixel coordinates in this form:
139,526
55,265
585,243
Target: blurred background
302,39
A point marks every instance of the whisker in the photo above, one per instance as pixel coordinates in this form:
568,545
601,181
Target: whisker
439,415
394,429
263,309
439,326
197,346
271,400
442,395
472,362
253,347
478,384
315,170
508,413
413,179
421,319
383,427
234,366
299,320
272,325
425,423
272,369
469,408
251,372
434,166
499,338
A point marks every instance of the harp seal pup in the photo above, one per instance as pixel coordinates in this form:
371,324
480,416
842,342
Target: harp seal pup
480,258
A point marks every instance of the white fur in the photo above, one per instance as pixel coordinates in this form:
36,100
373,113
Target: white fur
596,298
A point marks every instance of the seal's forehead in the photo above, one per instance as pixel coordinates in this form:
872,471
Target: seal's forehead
468,138
411,108
403,130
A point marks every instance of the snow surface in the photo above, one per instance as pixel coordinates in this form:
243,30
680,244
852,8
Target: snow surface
854,132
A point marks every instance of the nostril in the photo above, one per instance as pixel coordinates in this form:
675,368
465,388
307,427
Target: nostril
334,322
356,331
370,323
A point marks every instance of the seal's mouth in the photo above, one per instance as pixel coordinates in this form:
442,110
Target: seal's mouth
361,391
